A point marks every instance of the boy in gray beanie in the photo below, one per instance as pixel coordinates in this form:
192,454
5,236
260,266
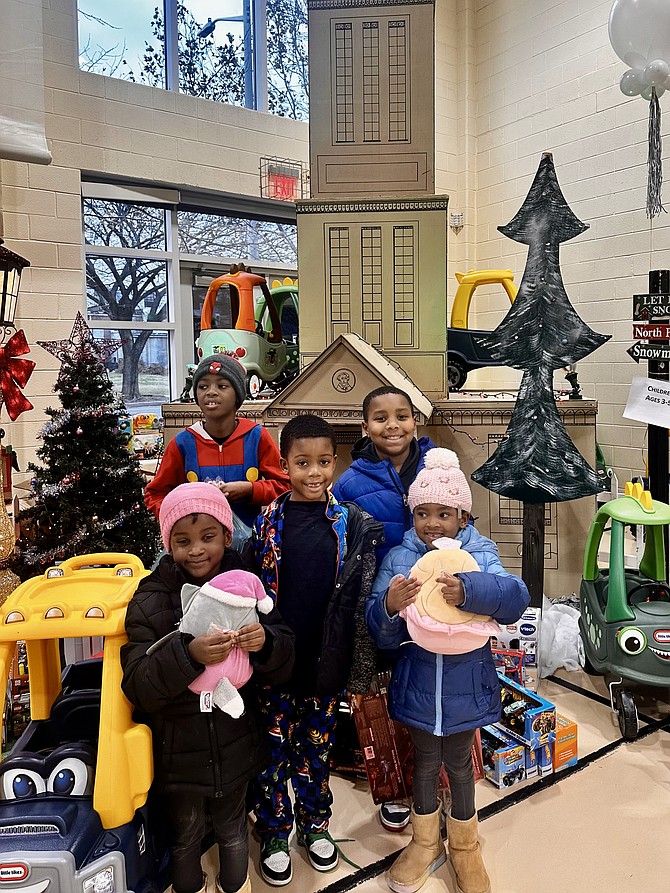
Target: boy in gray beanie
235,454
225,366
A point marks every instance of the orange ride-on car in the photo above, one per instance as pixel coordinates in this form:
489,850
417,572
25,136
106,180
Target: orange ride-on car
255,339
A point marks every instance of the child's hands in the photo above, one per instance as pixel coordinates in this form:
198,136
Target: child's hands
452,589
250,638
401,593
234,490
213,649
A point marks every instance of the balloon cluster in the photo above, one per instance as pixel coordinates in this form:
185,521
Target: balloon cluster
639,31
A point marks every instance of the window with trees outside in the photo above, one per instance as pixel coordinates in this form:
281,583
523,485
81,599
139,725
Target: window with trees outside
255,56
147,272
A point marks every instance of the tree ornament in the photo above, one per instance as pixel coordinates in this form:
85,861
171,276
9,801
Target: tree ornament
79,432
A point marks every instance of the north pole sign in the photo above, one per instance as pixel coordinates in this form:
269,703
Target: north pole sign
651,307
651,331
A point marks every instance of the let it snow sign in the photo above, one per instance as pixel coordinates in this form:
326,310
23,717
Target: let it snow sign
649,401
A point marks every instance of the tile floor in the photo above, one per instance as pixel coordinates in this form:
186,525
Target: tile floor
600,827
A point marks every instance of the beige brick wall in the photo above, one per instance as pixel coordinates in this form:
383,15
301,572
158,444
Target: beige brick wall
535,76
514,78
102,125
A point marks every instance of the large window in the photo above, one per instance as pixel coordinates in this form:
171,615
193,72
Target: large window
255,56
127,276
148,267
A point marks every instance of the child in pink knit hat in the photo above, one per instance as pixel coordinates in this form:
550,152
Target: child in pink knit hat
443,694
203,756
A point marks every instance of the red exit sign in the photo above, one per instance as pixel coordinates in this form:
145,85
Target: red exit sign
652,331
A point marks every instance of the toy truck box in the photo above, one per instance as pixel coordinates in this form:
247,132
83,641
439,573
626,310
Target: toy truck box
504,757
525,715
539,760
565,745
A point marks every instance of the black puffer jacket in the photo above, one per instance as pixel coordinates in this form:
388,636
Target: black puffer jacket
207,752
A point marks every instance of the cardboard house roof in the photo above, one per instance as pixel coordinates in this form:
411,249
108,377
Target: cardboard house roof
335,383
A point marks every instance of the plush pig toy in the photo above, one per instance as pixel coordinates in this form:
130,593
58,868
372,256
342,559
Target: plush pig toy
227,603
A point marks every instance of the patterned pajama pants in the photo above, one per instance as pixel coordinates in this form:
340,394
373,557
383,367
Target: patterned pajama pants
301,734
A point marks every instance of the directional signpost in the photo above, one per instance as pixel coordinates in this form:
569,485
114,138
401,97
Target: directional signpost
649,311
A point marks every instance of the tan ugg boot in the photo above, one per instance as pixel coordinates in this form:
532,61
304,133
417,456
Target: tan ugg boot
424,853
466,857
245,888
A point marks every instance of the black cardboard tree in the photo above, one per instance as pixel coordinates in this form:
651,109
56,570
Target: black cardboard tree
537,462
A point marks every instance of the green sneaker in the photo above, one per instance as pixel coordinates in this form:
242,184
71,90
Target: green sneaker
321,849
275,861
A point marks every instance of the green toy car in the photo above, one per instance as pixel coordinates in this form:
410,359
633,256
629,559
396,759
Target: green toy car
625,613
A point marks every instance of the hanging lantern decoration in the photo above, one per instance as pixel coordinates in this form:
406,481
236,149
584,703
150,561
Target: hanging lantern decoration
639,31
11,267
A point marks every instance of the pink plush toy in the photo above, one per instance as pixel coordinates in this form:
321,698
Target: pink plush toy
227,603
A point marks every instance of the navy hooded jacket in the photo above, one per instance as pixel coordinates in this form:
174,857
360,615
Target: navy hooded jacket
375,485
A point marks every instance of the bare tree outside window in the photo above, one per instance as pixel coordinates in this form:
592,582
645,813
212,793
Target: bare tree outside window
126,288
208,67
238,238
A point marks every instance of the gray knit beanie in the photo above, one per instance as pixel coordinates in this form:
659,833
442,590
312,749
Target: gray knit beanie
227,367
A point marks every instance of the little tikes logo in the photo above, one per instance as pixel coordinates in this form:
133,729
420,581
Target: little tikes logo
662,636
13,871
526,629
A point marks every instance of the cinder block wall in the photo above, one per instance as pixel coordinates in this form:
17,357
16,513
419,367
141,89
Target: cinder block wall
535,76
106,126
514,78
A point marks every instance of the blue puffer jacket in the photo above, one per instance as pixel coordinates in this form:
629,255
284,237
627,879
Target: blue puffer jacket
446,693
375,486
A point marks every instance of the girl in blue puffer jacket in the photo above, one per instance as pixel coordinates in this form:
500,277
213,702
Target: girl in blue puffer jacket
442,698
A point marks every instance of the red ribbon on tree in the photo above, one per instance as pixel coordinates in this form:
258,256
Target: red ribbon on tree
14,374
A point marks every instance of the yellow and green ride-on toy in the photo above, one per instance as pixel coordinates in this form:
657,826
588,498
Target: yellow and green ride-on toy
625,613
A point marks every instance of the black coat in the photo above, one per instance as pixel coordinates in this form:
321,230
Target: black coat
207,752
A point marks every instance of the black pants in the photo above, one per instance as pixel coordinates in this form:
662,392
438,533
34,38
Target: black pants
187,814
455,751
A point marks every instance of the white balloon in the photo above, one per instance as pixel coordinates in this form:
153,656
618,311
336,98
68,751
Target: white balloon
646,92
639,31
631,82
656,73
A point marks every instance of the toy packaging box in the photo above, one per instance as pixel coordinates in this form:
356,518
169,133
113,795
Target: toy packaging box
509,662
565,745
539,760
525,715
524,634
504,757
387,750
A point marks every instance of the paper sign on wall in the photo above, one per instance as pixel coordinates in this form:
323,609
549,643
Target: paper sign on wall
649,401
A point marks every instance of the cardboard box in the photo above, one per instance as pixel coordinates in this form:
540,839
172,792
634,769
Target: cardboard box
565,745
525,715
387,749
524,634
504,757
539,760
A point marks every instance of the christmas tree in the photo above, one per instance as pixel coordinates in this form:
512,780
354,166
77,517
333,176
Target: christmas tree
87,493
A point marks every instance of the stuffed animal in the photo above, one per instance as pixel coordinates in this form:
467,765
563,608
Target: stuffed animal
433,623
227,603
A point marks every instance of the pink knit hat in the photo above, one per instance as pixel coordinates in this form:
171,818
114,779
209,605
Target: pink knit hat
441,482
195,498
